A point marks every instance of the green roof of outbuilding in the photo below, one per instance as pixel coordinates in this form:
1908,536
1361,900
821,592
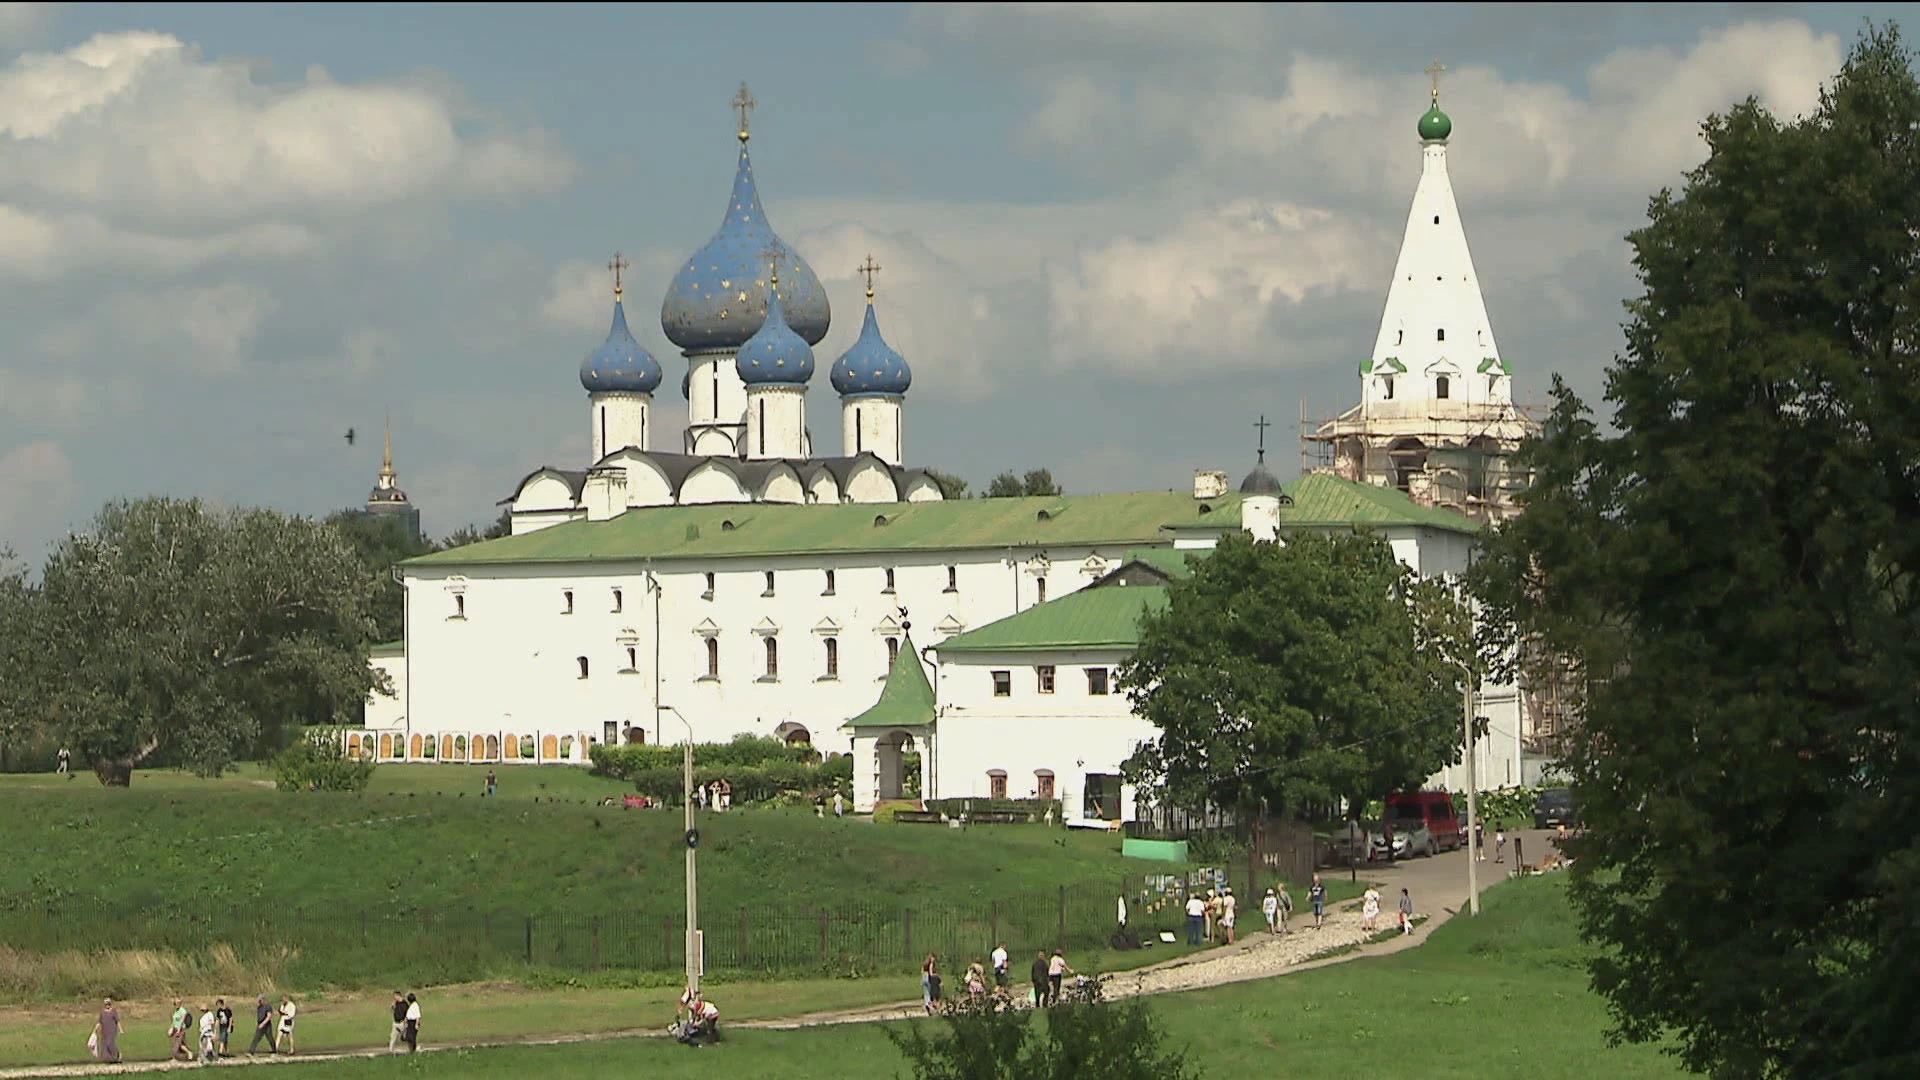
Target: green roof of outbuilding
731,530
1322,500
1169,561
906,699
1100,617
755,529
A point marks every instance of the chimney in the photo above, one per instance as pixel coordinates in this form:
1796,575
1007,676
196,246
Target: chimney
1209,483
605,493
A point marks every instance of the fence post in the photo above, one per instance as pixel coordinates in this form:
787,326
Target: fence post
993,918
363,926
593,957
666,938
743,939
529,939
823,937
1063,918
906,922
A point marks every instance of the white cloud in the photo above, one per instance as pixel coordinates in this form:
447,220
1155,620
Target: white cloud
138,125
36,483
211,328
25,24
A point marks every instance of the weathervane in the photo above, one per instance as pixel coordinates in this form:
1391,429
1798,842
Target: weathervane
743,103
1262,425
618,264
1434,71
869,268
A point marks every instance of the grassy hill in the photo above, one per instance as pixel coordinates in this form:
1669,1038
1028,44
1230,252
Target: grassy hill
421,877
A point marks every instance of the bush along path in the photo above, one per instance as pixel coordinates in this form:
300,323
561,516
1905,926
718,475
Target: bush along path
1257,955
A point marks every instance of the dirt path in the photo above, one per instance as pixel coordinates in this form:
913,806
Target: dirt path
1438,886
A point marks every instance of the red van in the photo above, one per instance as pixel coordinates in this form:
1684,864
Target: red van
1430,812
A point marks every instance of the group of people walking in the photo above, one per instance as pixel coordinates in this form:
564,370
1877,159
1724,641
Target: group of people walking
1047,974
205,1034
406,1023
1370,910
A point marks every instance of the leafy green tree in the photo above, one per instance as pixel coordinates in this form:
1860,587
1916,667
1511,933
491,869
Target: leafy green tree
1733,569
380,541
951,486
1035,482
1083,1036
173,629
467,534
16,699
318,761
1297,675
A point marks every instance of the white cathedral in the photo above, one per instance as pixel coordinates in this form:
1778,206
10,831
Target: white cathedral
743,585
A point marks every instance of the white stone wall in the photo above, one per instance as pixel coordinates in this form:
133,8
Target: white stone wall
386,710
516,651
776,422
872,424
619,420
1070,731
716,403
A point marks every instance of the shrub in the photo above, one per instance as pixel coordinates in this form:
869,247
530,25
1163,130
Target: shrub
772,779
317,761
1084,1036
745,751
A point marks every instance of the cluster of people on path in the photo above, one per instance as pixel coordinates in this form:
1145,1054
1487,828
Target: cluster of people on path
820,805
1216,909
1211,915
715,796
206,1033
1047,973
1370,910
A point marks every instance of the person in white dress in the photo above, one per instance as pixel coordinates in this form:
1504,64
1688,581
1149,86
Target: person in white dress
1370,908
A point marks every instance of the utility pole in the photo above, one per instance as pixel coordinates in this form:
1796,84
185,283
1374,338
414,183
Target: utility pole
692,838
1473,803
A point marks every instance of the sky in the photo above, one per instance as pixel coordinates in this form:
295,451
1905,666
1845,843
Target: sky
1112,237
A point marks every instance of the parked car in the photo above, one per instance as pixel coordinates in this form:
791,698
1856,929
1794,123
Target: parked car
1351,843
1430,813
1556,808
1410,838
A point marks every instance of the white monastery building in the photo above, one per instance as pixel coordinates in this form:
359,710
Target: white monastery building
741,584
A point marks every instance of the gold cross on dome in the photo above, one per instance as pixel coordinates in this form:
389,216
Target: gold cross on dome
772,254
617,265
743,103
1434,71
868,269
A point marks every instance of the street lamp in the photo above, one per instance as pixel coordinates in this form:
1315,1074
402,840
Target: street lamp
1473,786
692,839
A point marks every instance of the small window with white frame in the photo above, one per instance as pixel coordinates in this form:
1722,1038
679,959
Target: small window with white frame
1045,675
1003,684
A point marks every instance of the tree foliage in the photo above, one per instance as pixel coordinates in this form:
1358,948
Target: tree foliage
1297,675
1035,482
198,634
951,486
1734,572
380,541
319,762
1083,1036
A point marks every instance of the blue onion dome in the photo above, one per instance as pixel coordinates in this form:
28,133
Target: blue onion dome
871,367
620,363
775,354
719,298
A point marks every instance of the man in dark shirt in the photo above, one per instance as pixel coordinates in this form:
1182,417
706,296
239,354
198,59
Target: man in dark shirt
263,1027
1040,979
223,1026
399,1023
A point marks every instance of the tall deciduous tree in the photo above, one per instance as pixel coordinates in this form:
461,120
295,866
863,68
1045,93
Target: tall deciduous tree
951,486
1298,674
1735,570
380,541
170,627
1034,482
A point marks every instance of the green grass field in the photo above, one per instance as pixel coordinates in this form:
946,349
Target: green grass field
182,883
1498,996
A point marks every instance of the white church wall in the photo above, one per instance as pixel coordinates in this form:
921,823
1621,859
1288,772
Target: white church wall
711,483
1070,732
776,422
544,493
534,521
824,489
872,424
922,489
647,484
782,485
871,483
619,420
512,650
389,710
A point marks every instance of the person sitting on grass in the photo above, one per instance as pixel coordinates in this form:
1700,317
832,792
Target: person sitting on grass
703,1019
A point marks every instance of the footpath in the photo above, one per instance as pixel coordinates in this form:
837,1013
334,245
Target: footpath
1438,885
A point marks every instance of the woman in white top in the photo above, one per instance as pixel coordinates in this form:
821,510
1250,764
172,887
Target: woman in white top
1370,908
287,1011
413,1023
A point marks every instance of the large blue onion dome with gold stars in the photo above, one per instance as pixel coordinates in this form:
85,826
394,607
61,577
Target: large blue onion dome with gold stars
871,367
775,354
719,298
620,363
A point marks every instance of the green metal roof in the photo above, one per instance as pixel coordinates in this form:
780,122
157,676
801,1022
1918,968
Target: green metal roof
1322,500
906,699
1100,617
1169,561
756,529
728,530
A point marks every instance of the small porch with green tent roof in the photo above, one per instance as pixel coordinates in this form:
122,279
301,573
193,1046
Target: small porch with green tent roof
901,722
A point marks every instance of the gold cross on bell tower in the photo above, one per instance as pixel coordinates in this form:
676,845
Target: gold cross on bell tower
743,104
772,254
868,269
616,266
1434,71
1262,425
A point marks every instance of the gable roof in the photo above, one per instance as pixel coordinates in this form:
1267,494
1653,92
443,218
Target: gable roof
906,700
719,530
1129,520
1105,616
